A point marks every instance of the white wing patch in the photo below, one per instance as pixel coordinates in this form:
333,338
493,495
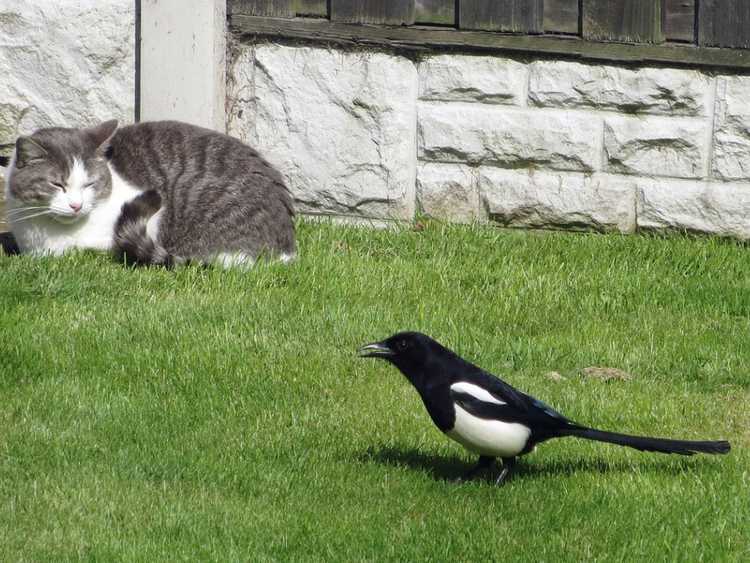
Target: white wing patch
476,391
492,438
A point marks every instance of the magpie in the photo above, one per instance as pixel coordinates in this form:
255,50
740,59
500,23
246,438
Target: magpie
489,417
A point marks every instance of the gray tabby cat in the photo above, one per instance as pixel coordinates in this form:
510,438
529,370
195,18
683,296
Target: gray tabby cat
154,193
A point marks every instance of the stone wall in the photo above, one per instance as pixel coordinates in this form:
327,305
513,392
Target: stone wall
66,63
522,143
341,126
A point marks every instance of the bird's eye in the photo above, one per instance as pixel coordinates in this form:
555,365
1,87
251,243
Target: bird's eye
57,185
402,344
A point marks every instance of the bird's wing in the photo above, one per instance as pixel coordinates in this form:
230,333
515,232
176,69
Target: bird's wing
489,410
548,410
511,395
495,399
495,387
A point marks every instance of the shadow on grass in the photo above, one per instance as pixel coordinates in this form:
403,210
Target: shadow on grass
449,468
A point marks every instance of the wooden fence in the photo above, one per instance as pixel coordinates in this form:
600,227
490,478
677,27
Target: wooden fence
704,23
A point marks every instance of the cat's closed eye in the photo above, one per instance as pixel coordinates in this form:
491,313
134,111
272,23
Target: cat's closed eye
57,185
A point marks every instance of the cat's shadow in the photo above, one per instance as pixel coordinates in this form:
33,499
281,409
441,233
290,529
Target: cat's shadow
450,468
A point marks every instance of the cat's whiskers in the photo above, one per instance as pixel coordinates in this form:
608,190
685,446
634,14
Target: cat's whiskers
21,210
31,216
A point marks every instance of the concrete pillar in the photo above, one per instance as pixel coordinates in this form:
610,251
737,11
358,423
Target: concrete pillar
183,61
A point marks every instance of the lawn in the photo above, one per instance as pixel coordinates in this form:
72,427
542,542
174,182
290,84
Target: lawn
201,414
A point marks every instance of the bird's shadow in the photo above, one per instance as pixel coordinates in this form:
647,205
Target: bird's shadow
451,468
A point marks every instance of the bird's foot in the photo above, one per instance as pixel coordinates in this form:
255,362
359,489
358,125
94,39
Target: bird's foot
509,463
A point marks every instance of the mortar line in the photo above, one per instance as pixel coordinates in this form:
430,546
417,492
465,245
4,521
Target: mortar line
712,125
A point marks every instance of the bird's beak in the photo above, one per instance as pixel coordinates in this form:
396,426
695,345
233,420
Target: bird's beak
375,350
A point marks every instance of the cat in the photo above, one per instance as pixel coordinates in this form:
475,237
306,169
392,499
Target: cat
154,193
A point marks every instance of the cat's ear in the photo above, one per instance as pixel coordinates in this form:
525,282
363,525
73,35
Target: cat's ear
28,150
102,134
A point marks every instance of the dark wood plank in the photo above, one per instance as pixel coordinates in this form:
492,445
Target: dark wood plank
520,16
561,16
632,21
315,8
441,12
422,40
678,20
391,12
724,23
270,8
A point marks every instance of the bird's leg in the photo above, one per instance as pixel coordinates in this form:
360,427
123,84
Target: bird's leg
483,463
509,463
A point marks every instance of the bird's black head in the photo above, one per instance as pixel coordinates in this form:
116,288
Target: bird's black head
410,352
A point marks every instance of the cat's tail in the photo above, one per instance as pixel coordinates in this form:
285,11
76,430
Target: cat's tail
133,243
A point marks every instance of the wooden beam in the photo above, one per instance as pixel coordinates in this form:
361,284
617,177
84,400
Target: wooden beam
561,16
632,21
678,20
518,16
389,12
421,39
724,23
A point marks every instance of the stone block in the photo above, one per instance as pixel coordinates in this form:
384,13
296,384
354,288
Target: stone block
65,64
448,191
510,137
645,90
491,80
340,126
705,207
656,146
576,201
731,155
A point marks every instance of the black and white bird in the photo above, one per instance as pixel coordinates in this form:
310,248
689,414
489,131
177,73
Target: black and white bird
489,417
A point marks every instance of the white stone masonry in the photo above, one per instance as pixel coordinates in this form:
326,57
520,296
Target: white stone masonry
65,63
543,144
340,126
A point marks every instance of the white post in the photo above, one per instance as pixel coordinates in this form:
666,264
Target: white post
183,61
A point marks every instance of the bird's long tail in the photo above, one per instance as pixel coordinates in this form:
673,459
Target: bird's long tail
645,444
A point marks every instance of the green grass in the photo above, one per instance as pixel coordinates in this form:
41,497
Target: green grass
204,414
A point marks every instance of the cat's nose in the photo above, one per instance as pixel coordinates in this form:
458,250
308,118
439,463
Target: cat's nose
75,206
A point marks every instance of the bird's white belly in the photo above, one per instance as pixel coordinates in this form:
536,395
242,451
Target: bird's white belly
491,438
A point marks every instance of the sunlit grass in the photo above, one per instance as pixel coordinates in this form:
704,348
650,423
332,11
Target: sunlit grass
208,414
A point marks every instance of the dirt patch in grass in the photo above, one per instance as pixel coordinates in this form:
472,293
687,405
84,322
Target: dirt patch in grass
606,374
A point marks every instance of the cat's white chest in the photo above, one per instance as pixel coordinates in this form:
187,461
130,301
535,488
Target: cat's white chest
95,231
